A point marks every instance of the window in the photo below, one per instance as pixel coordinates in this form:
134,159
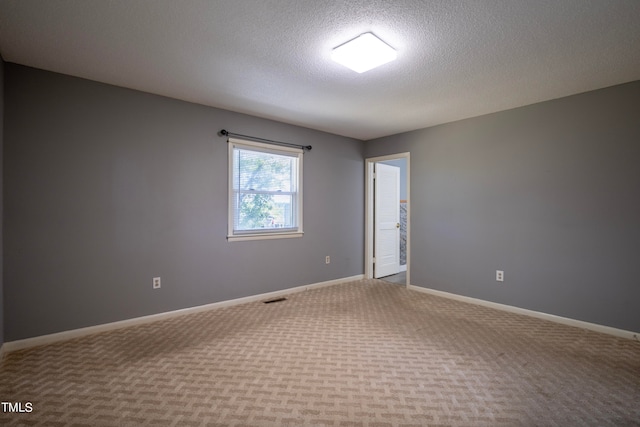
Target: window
265,191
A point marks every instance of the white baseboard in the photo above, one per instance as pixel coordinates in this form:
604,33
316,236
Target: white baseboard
550,317
76,333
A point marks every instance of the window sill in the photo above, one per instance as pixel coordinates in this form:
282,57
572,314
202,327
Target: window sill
264,236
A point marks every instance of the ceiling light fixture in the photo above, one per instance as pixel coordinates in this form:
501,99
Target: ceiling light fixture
363,53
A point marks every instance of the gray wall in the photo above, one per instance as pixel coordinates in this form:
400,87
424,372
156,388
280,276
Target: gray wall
549,193
1,199
107,187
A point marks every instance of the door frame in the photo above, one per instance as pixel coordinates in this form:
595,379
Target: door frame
369,205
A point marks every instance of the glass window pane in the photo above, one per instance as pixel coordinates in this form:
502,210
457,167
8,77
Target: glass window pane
255,170
264,211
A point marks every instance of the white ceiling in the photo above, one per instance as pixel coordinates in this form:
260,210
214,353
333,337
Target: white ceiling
271,58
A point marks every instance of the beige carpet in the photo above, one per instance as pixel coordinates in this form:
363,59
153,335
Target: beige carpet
367,353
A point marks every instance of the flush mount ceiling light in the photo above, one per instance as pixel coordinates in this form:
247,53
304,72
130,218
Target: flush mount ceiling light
363,53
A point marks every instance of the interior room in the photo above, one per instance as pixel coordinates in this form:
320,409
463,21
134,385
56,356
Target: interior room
449,236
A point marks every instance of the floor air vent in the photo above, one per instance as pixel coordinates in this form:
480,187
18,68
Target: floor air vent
274,300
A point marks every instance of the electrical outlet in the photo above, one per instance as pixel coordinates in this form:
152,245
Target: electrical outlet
327,259
499,276
156,283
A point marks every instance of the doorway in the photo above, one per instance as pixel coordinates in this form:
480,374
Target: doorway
381,221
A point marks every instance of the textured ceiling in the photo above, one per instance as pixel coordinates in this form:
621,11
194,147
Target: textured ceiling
271,58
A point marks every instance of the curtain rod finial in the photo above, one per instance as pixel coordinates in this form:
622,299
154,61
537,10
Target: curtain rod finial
223,132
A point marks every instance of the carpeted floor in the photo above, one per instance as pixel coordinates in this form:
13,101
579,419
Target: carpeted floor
366,353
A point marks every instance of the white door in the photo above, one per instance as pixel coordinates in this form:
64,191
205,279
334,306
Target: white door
387,220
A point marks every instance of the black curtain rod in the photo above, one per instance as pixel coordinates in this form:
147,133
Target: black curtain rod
268,141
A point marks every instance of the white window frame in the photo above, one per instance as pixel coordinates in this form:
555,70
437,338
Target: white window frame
233,236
